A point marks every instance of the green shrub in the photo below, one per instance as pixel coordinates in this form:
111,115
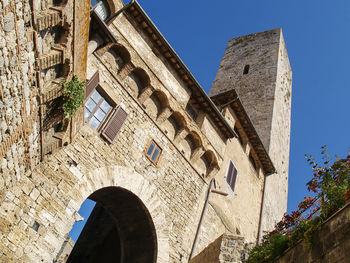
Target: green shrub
73,96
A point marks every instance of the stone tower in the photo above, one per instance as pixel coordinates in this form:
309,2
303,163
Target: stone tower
257,67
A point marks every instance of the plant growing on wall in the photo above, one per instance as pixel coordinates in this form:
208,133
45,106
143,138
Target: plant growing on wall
73,96
329,185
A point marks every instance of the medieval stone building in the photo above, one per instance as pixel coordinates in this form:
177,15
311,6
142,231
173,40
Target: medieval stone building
176,175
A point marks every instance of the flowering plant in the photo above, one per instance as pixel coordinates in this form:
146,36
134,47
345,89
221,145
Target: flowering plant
328,185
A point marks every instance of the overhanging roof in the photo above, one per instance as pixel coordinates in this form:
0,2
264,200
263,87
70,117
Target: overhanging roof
230,98
199,97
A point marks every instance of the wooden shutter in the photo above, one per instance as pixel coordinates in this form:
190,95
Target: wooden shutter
114,125
92,84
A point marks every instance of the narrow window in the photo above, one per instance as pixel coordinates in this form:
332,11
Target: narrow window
153,152
246,69
96,109
231,175
252,161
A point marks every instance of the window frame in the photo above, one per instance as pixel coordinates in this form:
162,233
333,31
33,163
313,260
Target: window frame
106,98
226,176
149,157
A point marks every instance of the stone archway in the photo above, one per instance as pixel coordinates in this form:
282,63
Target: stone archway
122,182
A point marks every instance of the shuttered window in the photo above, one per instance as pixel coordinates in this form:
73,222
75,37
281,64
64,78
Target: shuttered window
231,175
114,124
92,84
96,110
100,111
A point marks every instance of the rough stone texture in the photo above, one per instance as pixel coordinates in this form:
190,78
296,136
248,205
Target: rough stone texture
265,92
40,203
330,244
19,127
225,249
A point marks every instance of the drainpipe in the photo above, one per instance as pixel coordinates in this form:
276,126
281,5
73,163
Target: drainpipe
212,181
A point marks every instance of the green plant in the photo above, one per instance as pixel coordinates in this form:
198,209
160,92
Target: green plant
73,96
329,184
273,246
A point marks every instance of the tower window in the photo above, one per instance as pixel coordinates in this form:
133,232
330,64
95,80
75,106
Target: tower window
246,69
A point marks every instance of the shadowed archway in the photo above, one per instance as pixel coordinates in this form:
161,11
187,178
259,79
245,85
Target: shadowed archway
119,229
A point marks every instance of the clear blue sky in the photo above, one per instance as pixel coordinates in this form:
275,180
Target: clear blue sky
318,42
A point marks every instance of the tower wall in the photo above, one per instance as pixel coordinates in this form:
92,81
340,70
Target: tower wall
257,67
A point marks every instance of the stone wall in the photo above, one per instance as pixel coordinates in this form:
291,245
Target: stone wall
257,67
40,202
330,244
225,249
19,126
276,191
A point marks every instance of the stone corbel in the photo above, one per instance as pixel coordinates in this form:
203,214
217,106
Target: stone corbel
165,114
95,42
197,153
145,94
212,170
180,135
126,70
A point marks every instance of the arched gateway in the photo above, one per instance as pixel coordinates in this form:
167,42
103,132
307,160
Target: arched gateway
127,223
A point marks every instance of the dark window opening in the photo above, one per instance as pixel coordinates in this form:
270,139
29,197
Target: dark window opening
246,69
36,226
153,152
231,175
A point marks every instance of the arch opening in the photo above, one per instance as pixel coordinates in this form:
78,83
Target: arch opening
119,229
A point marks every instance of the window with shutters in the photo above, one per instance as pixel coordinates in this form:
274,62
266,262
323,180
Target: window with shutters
231,175
101,112
96,109
153,152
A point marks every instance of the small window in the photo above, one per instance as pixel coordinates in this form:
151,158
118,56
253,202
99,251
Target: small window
246,69
231,175
153,152
96,109
101,8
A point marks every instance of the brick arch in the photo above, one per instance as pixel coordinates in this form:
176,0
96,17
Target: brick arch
135,183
